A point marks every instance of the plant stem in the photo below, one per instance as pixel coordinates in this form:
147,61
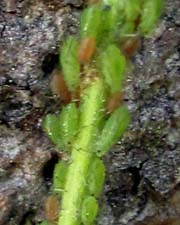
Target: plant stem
76,180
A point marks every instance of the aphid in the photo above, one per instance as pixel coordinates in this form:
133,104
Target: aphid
131,46
59,86
52,209
52,127
113,129
150,14
131,8
70,63
96,177
90,22
59,177
113,64
87,49
89,210
69,124
114,102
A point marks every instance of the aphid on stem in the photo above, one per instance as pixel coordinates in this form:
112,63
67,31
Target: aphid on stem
114,102
59,86
87,49
52,209
131,46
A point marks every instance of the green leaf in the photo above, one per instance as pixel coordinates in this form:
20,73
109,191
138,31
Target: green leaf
70,63
59,177
89,210
90,21
113,64
69,121
114,128
96,177
52,127
151,12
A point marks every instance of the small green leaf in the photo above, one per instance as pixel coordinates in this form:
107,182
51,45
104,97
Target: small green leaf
114,128
113,64
59,177
96,177
89,210
70,63
151,12
69,121
52,127
90,21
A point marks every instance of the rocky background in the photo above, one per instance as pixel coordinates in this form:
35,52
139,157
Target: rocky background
143,180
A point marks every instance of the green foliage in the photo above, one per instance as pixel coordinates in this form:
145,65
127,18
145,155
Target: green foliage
96,177
90,22
113,65
114,128
59,177
151,12
70,63
89,210
69,120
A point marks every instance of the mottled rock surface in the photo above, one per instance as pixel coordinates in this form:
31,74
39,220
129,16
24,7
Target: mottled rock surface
143,169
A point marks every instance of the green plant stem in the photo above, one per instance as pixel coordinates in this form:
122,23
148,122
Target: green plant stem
82,154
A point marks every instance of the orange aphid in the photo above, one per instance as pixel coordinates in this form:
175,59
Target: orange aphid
114,102
52,208
59,86
87,49
131,46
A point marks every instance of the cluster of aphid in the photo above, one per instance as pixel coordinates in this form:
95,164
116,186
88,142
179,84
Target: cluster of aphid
94,117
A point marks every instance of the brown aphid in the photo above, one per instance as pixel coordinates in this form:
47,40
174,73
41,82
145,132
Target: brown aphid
52,209
131,46
87,49
59,86
114,102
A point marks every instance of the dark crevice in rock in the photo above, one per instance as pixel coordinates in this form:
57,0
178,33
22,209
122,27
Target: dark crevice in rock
48,168
49,63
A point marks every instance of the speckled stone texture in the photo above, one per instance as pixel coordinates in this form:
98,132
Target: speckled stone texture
143,177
